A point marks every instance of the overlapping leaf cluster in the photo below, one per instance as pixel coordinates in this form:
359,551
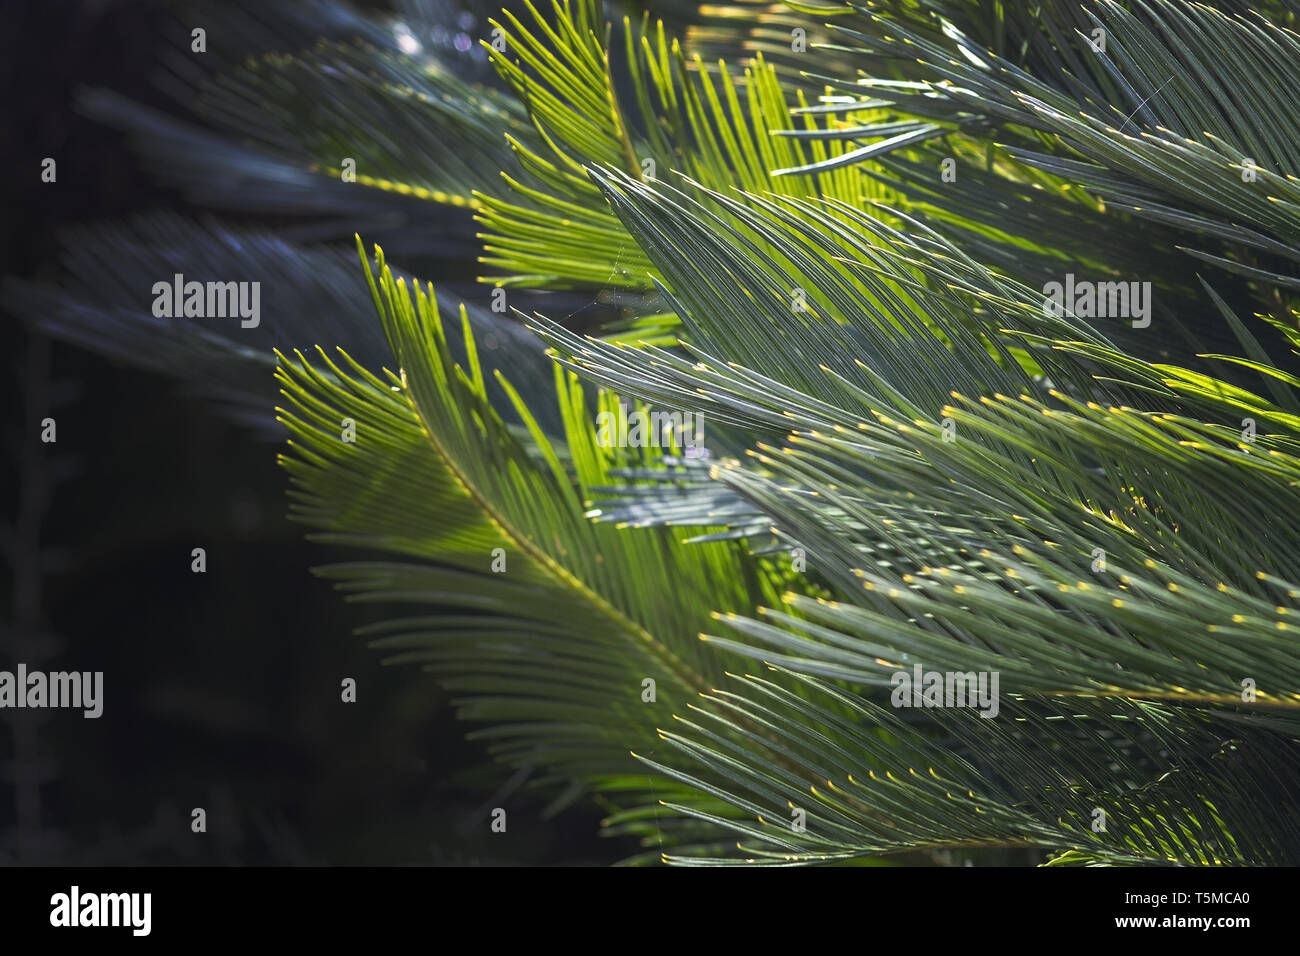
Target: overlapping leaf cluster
1096,514
836,254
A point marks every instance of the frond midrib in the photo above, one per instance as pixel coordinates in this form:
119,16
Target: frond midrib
553,569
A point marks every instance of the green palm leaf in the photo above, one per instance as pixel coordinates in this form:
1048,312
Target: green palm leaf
552,651
1132,113
634,101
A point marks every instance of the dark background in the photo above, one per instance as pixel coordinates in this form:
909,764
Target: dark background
221,690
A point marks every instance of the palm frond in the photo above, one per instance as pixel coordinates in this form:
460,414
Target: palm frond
551,649
408,127
1138,118
633,101
1108,782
